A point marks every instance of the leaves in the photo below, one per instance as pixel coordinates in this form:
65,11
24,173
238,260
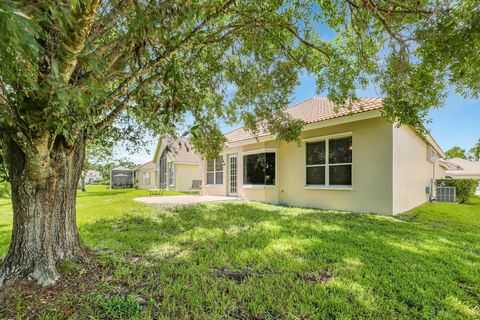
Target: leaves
147,66
455,152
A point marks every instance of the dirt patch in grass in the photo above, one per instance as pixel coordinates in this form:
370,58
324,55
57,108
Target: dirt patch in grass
35,301
315,277
241,275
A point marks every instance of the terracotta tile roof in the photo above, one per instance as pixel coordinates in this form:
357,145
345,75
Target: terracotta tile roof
312,110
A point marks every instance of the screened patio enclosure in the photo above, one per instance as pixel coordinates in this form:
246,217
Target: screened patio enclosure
121,177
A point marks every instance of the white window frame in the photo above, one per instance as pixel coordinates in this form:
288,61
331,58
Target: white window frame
260,186
214,171
327,185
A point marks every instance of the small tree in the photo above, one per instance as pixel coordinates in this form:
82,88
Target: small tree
475,151
455,152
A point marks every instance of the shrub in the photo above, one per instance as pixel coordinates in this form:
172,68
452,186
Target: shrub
465,188
120,307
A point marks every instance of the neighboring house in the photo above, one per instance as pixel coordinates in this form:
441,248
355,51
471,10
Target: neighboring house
121,177
92,176
458,168
176,164
462,169
352,160
144,175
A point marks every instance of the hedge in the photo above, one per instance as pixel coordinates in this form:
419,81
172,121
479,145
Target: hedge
465,188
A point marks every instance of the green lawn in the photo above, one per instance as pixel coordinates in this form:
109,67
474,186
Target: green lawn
249,260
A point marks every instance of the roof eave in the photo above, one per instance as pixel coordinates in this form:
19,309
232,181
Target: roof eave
313,125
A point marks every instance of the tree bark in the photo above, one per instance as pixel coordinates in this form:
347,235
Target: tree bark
82,180
44,215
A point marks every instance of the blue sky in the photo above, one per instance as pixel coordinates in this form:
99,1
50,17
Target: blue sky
456,123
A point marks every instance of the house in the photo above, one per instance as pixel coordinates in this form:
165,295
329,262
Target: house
121,177
462,168
176,164
458,168
93,176
144,176
352,160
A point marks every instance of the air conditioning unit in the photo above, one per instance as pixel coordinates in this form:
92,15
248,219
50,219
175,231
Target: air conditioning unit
445,194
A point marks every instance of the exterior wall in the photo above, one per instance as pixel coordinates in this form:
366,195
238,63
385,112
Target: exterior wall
412,170
254,193
141,182
371,171
184,174
371,189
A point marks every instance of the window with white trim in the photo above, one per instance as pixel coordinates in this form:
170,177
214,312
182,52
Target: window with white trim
215,171
259,168
329,162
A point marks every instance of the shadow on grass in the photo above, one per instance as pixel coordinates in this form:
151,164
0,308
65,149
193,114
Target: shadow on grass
380,266
106,193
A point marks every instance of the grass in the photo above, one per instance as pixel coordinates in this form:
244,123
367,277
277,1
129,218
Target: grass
250,260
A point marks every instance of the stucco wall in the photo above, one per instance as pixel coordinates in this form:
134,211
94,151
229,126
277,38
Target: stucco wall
185,174
371,176
141,184
412,170
371,170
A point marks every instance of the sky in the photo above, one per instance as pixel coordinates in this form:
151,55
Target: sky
457,123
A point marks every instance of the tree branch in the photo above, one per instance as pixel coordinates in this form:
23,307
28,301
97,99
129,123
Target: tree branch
71,48
288,28
122,89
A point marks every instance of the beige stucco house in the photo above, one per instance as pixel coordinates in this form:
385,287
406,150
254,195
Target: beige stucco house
462,168
144,176
176,164
353,160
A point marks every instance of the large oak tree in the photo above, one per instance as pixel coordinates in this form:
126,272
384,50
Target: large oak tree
74,70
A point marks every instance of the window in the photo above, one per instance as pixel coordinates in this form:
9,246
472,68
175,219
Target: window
146,177
329,162
171,173
259,168
163,170
431,154
215,171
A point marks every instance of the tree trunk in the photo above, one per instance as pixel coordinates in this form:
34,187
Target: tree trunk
44,217
82,180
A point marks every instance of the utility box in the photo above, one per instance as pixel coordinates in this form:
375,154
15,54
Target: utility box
446,194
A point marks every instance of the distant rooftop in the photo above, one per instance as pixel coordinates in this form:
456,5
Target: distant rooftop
180,150
119,168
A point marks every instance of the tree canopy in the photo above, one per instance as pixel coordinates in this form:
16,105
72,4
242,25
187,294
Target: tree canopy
79,67
74,71
455,152
475,151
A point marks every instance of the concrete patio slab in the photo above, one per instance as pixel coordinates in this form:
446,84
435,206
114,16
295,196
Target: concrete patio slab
184,200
